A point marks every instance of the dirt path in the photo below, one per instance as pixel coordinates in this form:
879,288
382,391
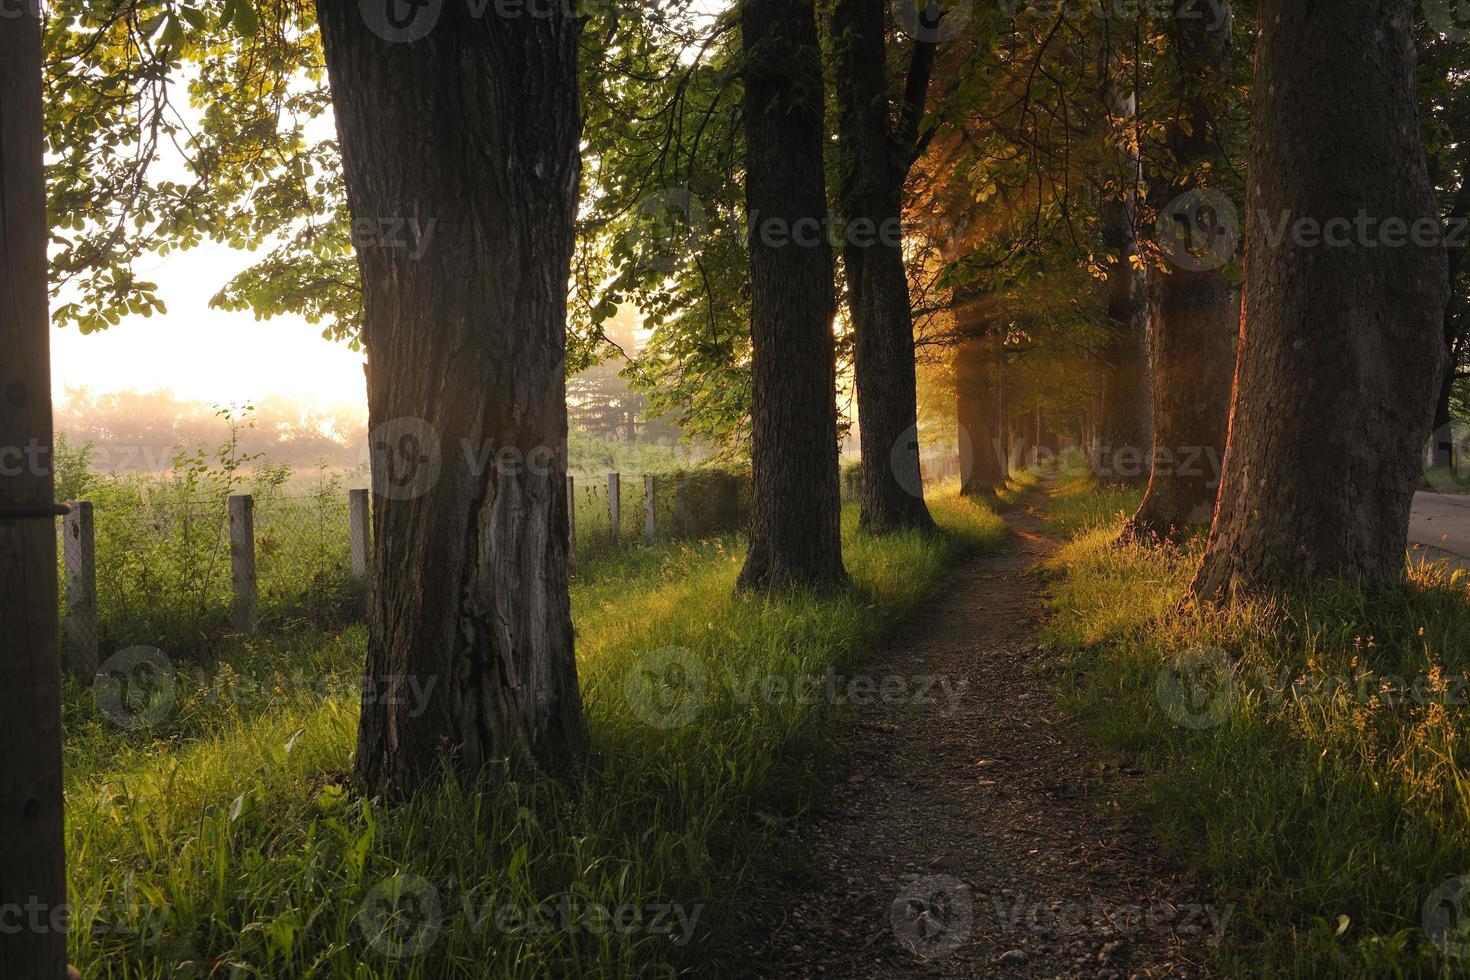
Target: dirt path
971,837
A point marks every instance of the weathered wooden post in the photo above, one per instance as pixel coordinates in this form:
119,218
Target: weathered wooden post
360,526
614,502
681,504
242,563
649,517
79,547
571,517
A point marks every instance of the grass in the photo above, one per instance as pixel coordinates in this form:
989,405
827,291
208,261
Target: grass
1446,479
1308,757
220,841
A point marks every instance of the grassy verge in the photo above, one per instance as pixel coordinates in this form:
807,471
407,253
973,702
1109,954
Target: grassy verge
218,839
1309,758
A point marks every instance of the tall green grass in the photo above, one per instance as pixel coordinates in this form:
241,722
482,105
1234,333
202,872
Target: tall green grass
221,841
1282,757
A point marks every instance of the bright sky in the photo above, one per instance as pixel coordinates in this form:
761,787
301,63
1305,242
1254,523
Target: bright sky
203,354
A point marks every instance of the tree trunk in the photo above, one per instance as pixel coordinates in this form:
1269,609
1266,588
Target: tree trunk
1341,348
1196,314
1124,426
1443,431
981,472
1442,427
795,521
874,164
469,135
32,848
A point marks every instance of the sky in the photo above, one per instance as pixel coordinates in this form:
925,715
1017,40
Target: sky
204,354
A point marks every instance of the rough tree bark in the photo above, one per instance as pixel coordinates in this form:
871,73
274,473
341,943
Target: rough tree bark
1196,311
795,534
32,853
1124,427
459,143
876,155
981,469
1340,347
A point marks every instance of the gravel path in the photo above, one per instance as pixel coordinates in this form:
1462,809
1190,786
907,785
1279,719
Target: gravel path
972,834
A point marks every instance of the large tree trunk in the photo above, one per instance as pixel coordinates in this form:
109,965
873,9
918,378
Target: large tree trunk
32,852
1196,312
795,520
875,161
981,469
1124,426
1341,348
471,131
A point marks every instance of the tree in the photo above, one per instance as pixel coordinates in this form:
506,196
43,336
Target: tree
876,152
32,849
469,127
1124,426
795,532
1444,101
1455,332
1196,312
1341,347
982,460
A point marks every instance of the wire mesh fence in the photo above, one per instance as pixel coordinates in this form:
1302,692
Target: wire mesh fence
303,555
144,565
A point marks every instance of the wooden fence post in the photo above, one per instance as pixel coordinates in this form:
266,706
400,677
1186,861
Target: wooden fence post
571,517
79,545
614,502
649,526
360,528
242,563
681,504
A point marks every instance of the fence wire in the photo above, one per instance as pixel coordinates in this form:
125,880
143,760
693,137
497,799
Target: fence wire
141,565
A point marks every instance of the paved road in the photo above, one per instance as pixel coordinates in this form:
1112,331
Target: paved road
1441,523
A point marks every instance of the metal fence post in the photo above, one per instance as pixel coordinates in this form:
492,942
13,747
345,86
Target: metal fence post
614,502
242,563
79,544
649,518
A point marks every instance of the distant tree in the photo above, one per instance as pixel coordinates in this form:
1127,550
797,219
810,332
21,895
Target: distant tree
878,141
469,126
1125,423
1342,347
32,849
1195,307
795,533
1444,97
977,401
